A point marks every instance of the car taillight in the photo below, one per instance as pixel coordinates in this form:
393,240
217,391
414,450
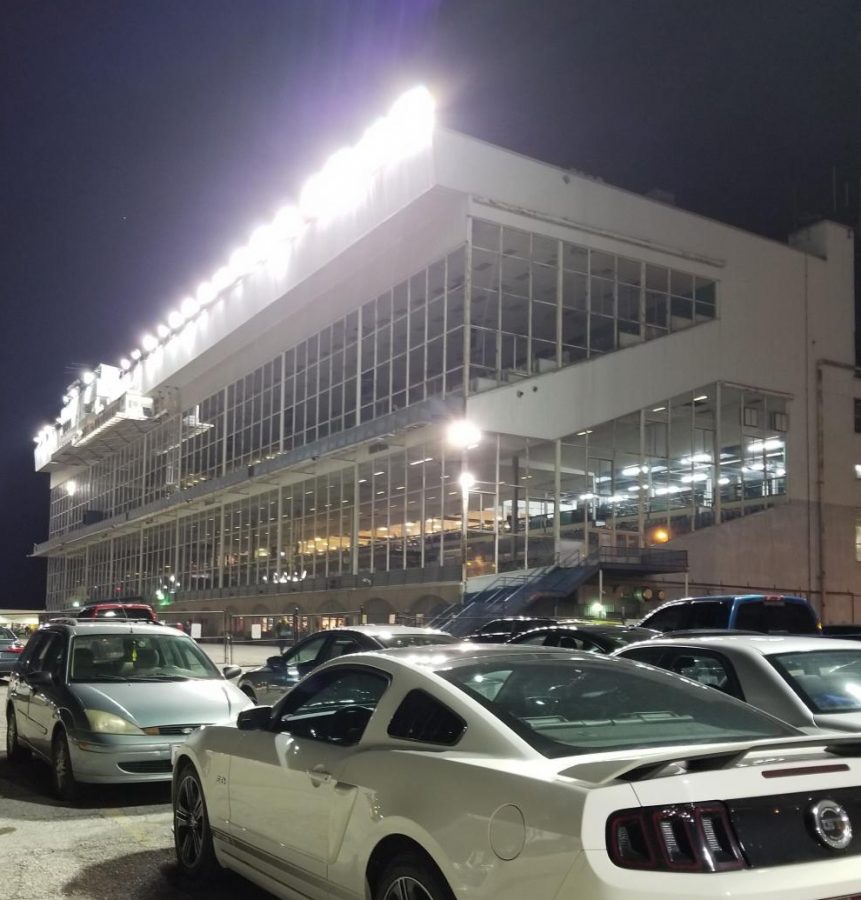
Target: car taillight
15,648
689,837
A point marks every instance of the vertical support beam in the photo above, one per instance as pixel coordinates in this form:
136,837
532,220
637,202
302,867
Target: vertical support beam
467,310
643,482
497,503
717,444
557,491
354,541
219,561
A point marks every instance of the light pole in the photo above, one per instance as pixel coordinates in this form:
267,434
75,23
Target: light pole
466,481
464,436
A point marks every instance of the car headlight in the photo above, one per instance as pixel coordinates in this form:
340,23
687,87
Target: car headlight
107,723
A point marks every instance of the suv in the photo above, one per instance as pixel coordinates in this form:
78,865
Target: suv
140,612
769,613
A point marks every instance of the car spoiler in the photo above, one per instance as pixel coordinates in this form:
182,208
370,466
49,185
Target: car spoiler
703,759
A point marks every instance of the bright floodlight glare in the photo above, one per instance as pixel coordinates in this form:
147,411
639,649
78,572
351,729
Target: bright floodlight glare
175,320
207,291
311,197
149,343
463,434
343,184
162,330
374,149
261,244
125,364
412,119
466,480
240,263
71,488
220,280
288,223
189,307
87,377
135,354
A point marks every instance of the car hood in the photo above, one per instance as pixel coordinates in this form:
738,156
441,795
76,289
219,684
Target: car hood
147,703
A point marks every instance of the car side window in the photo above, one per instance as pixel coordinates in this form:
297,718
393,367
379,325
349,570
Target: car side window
542,639
307,651
342,645
708,614
672,618
48,655
710,669
421,717
650,655
333,706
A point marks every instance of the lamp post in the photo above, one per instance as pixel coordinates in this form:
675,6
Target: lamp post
464,435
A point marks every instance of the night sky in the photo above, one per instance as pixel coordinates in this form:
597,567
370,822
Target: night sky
140,141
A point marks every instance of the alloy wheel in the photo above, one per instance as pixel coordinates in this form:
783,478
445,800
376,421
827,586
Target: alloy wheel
188,816
407,888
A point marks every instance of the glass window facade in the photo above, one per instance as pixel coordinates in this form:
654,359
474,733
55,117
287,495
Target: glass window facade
507,304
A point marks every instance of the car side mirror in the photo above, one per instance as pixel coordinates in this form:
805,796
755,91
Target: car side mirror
41,678
231,671
277,663
256,718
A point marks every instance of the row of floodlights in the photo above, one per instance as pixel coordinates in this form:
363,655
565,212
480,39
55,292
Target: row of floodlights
339,187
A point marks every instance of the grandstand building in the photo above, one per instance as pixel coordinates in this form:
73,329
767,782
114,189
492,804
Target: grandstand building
451,369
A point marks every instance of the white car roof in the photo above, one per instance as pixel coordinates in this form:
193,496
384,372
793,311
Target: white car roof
754,644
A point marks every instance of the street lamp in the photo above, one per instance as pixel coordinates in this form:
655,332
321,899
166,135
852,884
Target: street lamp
464,436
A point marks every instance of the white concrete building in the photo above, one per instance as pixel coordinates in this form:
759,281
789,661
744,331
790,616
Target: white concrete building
641,377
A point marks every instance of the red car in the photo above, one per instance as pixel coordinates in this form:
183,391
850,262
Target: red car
116,610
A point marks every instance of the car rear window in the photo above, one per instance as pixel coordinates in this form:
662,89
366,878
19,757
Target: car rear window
828,681
567,707
783,618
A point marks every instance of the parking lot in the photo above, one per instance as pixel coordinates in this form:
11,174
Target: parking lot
116,842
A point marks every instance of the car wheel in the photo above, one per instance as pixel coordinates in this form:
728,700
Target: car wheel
249,693
14,751
410,877
63,779
192,838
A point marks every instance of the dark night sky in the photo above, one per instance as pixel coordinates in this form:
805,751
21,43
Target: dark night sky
140,140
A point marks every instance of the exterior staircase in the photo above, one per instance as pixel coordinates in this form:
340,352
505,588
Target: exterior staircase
512,593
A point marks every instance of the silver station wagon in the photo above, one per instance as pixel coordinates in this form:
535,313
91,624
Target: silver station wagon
104,701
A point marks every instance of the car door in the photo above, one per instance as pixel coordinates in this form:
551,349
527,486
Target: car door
44,699
30,701
20,689
288,806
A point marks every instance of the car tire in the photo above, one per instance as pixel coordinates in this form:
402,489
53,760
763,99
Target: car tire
249,693
411,876
63,779
192,837
15,752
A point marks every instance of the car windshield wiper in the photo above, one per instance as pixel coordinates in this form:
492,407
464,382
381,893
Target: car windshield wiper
156,677
92,678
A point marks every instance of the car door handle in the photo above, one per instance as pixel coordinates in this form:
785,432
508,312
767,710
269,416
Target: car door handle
319,775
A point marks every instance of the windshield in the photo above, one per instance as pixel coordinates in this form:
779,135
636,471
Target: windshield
415,640
138,657
564,707
828,681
